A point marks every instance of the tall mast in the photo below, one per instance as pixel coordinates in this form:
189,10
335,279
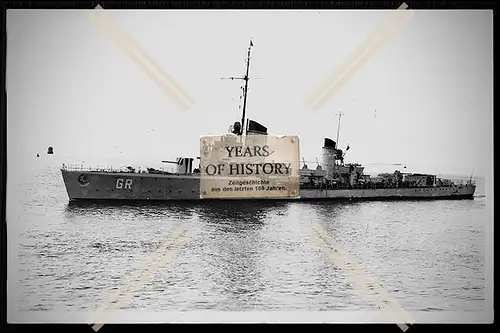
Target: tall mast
338,127
246,90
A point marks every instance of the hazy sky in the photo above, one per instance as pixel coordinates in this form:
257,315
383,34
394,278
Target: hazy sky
69,86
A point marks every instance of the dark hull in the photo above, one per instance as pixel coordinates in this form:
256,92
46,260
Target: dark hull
139,187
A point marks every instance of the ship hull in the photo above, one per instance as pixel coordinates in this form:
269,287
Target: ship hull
426,193
122,186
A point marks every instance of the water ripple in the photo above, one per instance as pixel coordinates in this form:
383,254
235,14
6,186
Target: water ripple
246,256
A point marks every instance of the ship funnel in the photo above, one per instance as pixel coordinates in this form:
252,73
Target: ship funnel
254,128
258,135
184,165
329,154
329,143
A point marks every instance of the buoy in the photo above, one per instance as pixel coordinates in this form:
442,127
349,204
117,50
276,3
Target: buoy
50,151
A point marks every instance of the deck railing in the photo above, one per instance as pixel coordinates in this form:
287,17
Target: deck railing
100,168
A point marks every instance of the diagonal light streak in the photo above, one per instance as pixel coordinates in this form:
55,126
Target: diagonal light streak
136,281
146,55
146,63
357,67
140,63
162,256
367,284
384,29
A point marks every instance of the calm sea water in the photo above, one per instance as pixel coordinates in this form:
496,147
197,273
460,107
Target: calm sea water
242,255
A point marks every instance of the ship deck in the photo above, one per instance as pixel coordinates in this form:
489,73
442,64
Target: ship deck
122,169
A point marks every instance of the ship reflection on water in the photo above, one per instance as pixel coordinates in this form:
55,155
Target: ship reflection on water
244,214
220,268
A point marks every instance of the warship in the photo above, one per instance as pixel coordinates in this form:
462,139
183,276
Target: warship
332,179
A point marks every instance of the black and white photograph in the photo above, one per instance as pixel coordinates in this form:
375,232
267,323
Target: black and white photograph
271,165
